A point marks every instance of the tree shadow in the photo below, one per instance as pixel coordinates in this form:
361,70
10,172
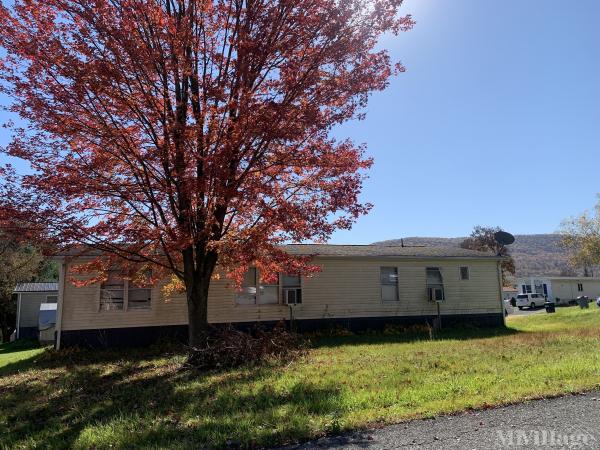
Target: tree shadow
17,366
18,346
108,395
143,398
456,332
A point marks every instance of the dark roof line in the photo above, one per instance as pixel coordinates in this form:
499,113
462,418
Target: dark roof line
38,286
368,250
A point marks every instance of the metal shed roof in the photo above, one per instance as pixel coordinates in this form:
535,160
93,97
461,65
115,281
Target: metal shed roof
37,287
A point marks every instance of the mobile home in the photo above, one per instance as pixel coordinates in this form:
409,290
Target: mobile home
561,290
358,286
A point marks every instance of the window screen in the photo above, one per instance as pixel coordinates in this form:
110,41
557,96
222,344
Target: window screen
292,289
112,292
269,292
389,283
435,284
247,295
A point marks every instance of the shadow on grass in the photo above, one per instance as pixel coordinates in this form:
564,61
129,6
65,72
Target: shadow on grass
142,398
457,332
136,398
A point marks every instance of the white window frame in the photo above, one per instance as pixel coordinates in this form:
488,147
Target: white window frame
460,273
125,299
238,293
136,308
103,310
431,289
260,285
397,299
295,288
281,291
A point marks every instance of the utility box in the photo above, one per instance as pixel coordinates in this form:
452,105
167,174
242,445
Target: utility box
583,302
47,323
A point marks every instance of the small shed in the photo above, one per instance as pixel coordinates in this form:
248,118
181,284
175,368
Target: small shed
29,298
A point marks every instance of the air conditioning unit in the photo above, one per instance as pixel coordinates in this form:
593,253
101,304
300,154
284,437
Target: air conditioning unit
435,294
292,296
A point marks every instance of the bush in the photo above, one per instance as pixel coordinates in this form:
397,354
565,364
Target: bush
228,347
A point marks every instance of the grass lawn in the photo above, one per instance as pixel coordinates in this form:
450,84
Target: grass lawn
144,399
13,352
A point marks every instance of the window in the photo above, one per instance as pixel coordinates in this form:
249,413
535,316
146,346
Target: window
139,296
112,292
435,284
580,287
292,289
389,283
247,296
268,293
526,288
51,299
464,273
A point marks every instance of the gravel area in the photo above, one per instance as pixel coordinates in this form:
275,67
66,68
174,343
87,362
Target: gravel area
570,422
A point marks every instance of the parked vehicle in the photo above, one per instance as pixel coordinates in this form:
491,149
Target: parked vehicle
530,300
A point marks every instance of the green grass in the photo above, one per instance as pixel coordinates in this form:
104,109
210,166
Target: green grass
144,399
14,353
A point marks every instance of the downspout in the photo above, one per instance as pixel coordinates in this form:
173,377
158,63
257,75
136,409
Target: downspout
61,294
499,265
18,314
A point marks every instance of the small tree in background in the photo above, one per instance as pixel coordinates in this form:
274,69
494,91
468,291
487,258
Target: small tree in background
581,238
19,262
175,135
482,239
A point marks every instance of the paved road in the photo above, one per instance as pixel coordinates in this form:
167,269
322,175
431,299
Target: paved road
571,422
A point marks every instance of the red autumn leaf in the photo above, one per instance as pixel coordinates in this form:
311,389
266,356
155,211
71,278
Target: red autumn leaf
178,135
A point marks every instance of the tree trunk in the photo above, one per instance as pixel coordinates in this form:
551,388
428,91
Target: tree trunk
197,301
5,331
198,270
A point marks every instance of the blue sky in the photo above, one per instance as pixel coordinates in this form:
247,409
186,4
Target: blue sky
495,122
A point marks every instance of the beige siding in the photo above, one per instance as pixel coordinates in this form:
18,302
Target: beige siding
344,288
567,289
30,307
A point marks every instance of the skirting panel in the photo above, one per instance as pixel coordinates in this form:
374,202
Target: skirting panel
142,336
28,333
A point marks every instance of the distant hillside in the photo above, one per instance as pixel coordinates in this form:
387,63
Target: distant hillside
534,254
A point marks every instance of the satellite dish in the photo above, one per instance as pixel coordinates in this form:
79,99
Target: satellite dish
504,238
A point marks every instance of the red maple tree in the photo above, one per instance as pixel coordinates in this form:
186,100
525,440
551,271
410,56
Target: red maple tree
182,134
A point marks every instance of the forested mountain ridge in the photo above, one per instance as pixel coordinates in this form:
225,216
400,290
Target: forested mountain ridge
534,254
